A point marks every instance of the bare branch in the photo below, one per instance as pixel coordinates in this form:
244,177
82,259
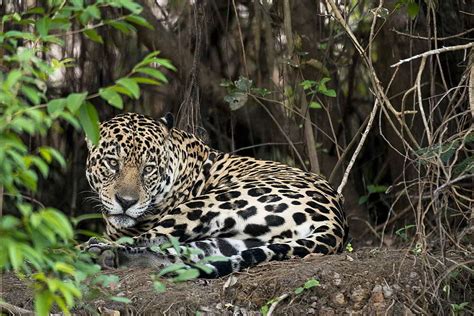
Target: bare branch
434,52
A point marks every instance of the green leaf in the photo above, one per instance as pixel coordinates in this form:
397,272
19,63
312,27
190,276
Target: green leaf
243,84
43,25
56,105
89,120
58,222
15,254
41,165
143,80
138,20
152,72
122,26
125,241
159,287
93,11
130,5
8,222
29,179
49,153
93,35
315,105
214,259
130,85
121,90
175,242
412,9
329,92
166,63
31,93
112,97
374,188
65,268
299,290
12,78
17,34
363,199
307,84
121,299
311,283
186,275
203,267
172,268
43,302
75,100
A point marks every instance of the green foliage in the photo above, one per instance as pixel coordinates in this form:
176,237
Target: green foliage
186,270
239,90
315,87
458,308
307,285
372,189
446,152
412,8
349,247
39,244
403,232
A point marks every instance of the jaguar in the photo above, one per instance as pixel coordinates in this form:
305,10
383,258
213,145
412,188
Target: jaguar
157,183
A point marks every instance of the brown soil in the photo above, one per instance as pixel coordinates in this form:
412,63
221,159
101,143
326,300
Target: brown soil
377,281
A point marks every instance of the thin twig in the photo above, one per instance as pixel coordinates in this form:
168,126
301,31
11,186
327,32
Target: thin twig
429,38
434,52
244,55
303,165
359,146
264,144
420,100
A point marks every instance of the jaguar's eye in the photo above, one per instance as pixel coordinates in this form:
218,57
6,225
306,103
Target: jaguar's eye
148,169
113,163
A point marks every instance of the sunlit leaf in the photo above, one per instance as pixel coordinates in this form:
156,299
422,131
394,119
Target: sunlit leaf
75,100
43,302
131,86
152,72
93,35
122,26
186,275
42,26
138,20
121,299
89,120
172,268
56,105
315,105
112,97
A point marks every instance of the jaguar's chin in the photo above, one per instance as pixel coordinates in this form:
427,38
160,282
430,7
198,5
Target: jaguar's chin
121,221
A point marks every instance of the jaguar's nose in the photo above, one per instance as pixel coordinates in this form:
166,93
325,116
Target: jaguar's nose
125,201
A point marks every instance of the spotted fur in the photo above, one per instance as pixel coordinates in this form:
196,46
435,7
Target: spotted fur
155,181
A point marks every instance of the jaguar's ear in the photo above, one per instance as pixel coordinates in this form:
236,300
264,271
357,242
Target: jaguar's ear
168,120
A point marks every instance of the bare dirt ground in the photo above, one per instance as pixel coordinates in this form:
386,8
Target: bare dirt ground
364,282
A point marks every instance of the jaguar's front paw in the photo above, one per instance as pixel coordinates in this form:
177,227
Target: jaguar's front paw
104,253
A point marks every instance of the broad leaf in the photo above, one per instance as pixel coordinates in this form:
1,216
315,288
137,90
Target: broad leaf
75,100
89,120
131,86
112,97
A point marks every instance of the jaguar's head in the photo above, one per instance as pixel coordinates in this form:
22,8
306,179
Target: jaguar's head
128,169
